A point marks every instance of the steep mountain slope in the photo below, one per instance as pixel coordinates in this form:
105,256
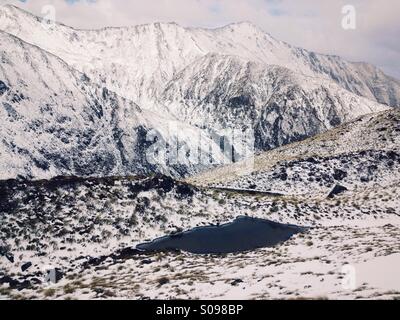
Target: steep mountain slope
136,62
364,154
56,121
278,104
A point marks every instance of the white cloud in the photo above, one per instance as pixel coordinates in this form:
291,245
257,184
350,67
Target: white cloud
312,24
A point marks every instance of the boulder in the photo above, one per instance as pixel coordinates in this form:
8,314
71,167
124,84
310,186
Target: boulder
26,266
337,189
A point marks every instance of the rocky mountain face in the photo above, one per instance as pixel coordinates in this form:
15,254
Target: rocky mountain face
88,102
278,104
55,121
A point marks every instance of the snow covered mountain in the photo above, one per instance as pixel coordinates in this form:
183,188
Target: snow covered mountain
72,98
55,121
279,105
136,62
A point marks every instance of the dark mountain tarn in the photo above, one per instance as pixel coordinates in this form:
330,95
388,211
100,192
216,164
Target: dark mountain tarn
243,234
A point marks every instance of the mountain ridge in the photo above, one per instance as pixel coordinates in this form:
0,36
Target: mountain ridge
194,41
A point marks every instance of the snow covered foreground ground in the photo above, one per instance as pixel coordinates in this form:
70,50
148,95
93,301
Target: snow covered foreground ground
88,228
327,263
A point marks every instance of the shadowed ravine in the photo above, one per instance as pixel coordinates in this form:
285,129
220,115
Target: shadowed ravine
242,234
